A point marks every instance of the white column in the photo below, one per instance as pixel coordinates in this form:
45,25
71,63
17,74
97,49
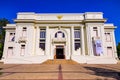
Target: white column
114,45
82,41
47,41
37,40
72,40
89,42
101,28
34,40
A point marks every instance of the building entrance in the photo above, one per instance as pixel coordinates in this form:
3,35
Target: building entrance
60,52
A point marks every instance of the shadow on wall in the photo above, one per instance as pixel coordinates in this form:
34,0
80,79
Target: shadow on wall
104,73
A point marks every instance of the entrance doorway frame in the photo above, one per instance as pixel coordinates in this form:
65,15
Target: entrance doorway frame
63,47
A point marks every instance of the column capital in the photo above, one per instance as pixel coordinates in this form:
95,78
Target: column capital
36,27
47,26
82,26
72,26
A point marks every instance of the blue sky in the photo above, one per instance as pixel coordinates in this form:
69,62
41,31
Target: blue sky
110,8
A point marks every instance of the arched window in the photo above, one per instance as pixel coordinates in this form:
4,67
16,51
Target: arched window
59,34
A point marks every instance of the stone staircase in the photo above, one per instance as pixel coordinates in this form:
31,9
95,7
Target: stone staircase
118,62
1,62
60,61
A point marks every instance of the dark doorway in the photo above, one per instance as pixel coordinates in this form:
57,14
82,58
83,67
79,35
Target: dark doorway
60,53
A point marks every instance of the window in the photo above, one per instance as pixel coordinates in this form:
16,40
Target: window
77,33
10,47
109,51
42,46
59,34
24,32
10,51
12,37
77,38
108,36
77,46
22,50
42,33
94,28
24,28
22,46
42,39
95,31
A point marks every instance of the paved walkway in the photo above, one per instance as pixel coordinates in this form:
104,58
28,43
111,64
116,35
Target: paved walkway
59,72
59,61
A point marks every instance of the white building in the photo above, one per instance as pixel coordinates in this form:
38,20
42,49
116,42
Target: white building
82,37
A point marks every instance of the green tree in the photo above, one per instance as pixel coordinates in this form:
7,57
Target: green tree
3,22
118,50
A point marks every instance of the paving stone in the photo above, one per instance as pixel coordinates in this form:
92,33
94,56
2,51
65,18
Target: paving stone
63,71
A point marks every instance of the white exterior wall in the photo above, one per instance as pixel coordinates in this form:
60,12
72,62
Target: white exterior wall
59,22
90,35
91,15
7,43
111,43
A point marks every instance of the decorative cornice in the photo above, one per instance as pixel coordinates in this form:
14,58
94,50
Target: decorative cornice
110,27
24,20
59,21
56,25
9,28
47,21
94,20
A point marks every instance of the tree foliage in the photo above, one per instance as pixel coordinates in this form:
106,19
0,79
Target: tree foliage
3,22
1,49
118,50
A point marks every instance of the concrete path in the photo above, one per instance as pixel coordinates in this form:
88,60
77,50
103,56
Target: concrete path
59,72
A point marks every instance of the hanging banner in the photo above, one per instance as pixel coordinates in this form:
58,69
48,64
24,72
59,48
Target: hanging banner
99,49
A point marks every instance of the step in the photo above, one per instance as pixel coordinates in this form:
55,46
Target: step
60,61
1,62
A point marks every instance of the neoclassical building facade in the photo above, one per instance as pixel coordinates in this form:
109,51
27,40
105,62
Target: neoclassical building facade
82,37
